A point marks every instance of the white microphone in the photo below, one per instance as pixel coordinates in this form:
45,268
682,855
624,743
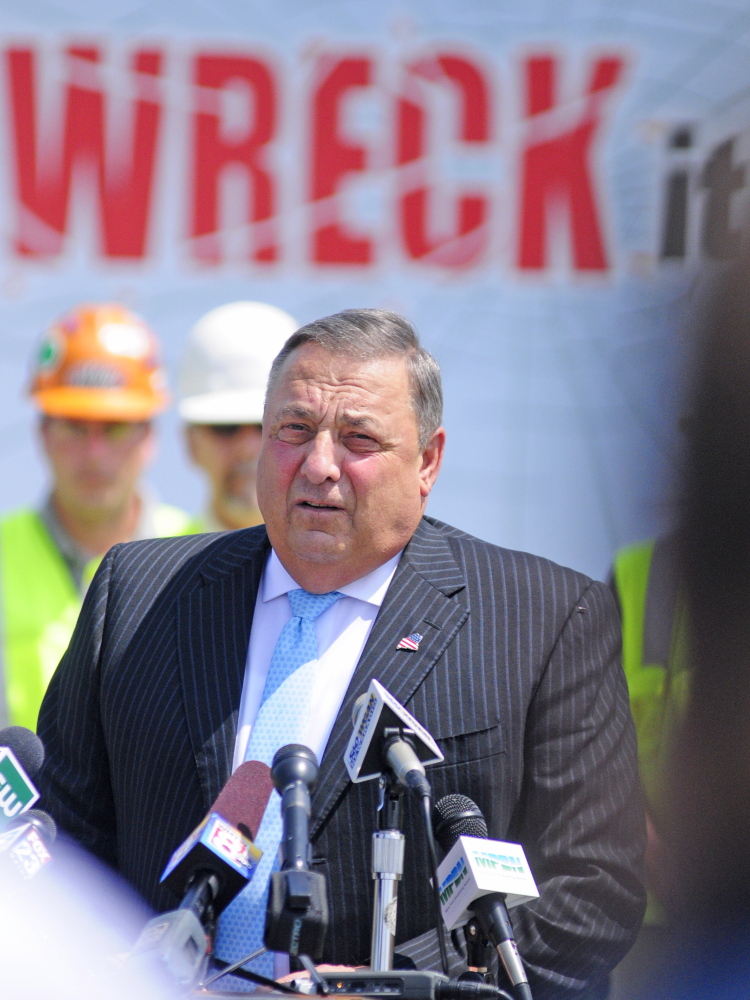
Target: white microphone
386,735
482,878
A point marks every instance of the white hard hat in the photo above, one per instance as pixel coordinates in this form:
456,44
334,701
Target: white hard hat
225,367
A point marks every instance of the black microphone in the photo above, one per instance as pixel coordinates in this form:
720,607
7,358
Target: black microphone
25,842
206,872
297,911
457,816
294,771
21,756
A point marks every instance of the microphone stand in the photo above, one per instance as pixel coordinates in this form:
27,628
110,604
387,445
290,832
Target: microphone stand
387,869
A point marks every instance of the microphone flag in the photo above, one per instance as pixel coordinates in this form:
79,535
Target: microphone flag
17,793
379,711
475,867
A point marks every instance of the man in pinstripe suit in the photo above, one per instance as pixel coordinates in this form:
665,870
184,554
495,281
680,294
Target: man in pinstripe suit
517,674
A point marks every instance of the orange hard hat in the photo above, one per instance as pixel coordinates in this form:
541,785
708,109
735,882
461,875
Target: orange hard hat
99,362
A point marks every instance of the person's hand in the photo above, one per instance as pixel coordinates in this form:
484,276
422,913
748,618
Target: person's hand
321,968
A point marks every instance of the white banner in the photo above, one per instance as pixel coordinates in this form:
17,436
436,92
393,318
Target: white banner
531,185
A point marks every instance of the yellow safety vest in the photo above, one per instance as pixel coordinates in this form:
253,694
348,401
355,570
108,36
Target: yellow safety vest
195,526
658,682
40,605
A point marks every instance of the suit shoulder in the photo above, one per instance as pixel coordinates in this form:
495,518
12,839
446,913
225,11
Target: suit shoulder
161,559
524,566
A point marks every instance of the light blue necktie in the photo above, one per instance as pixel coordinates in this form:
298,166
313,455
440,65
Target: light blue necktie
281,717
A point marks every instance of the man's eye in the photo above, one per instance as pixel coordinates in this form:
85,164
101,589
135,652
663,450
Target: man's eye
361,442
294,432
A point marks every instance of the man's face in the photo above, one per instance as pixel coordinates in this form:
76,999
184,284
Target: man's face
342,481
95,464
228,454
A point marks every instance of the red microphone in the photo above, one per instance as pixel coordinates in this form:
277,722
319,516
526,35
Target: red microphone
219,853
207,871
243,800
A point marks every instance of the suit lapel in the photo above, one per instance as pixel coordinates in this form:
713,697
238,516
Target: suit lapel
213,629
425,597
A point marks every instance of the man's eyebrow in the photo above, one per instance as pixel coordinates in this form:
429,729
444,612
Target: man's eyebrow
295,410
359,421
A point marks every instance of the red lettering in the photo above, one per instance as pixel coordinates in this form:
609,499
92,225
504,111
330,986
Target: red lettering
125,179
556,164
214,151
333,159
468,241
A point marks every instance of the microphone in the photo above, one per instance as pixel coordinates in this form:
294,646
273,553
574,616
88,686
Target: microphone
482,877
387,737
388,741
25,842
294,771
21,756
297,910
207,871
220,851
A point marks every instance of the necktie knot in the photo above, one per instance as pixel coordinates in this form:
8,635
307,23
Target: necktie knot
310,606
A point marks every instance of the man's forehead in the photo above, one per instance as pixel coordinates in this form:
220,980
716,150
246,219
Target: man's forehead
312,372
313,361
351,416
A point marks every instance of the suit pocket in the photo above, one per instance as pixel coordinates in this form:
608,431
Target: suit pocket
466,747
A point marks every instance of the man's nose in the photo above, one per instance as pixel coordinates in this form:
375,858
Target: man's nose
95,442
321,462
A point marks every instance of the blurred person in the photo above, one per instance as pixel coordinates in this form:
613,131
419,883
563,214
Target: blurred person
707,859
97,384
222,386
651,598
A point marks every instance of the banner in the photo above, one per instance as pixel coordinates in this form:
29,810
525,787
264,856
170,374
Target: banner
534,187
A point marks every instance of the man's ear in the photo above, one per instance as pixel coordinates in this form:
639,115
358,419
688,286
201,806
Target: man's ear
432,459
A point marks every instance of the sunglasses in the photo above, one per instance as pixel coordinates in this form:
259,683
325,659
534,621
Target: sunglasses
226,430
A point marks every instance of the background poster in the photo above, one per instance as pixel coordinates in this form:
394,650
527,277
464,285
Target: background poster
534,185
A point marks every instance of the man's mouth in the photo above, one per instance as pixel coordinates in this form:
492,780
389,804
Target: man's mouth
314,505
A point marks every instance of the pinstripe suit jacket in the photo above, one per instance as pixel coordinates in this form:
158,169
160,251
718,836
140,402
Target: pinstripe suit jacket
517,677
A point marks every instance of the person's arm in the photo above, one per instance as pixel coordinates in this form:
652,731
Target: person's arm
74,781
581,816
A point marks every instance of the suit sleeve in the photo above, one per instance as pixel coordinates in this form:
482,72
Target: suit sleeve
581,815
75,781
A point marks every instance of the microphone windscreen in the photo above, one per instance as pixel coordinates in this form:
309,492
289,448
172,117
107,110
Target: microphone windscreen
457,816
26,746
43,819
243,800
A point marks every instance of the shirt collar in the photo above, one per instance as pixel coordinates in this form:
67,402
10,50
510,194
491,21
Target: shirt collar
370,588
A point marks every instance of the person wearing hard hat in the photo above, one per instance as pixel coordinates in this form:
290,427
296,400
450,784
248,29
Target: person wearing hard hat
97,383
222,387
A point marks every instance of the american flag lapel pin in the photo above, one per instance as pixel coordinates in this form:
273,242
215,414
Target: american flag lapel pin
410,641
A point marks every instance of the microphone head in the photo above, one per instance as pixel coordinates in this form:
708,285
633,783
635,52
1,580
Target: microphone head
43,823
243,800
294,762
26,746
457,816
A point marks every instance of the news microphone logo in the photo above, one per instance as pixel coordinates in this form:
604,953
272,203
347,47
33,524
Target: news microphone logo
17,793
25,850
476,867
211,839
380,711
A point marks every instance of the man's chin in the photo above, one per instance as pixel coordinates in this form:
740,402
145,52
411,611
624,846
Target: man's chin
319,547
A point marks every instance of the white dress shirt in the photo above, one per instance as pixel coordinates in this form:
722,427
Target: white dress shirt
341,631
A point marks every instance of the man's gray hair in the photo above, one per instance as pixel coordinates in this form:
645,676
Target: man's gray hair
368,334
